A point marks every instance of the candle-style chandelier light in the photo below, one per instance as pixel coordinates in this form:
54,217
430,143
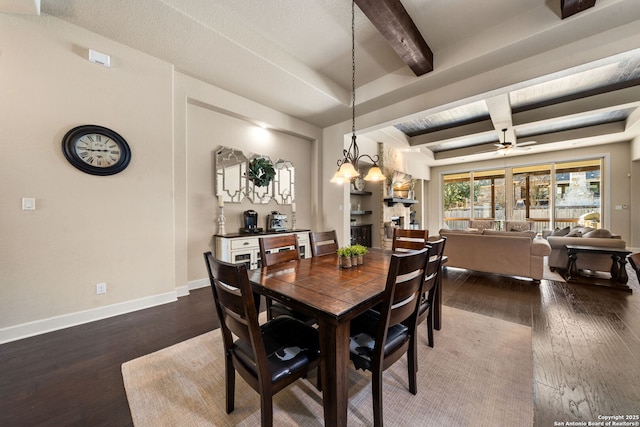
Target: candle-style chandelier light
348,165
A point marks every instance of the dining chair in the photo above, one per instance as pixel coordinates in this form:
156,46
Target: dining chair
268,357
432,281
323,242
379,338
408,240
634,260
279,250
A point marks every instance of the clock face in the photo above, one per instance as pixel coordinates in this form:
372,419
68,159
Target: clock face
358,184
96,150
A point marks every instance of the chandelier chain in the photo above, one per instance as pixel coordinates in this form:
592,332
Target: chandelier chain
353,69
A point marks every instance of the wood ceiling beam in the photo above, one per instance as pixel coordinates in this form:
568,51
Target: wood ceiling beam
394,23
571,7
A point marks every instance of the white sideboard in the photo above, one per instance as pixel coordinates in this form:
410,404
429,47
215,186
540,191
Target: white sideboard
244,248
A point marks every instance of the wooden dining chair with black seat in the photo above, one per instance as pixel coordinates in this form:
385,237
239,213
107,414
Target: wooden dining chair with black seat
634,261
268,357
323,242
431,283
278,250
408,240
380,338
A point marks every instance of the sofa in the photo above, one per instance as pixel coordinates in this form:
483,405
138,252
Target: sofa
586,236
511,253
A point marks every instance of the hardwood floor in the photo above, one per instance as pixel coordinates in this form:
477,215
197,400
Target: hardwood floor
586,341
586,352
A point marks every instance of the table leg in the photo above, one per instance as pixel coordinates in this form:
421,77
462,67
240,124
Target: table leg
572,268
614,267
622,276
334,351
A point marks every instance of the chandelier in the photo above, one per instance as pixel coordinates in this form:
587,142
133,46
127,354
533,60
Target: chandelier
348,165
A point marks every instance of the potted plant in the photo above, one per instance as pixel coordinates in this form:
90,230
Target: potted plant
360,251
344,254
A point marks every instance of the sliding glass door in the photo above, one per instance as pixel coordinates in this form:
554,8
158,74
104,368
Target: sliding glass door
577,194
531,195
551,195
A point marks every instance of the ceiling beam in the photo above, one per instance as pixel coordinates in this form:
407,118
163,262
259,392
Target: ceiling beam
619,99
563,137
394,23
463,131
571,7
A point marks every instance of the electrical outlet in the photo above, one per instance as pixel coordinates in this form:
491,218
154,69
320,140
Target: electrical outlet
101,288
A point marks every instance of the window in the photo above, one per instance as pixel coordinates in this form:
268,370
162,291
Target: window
490,199
551,195
531,195
457,200
577,194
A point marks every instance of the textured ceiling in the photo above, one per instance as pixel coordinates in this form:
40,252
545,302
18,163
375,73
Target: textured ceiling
493,59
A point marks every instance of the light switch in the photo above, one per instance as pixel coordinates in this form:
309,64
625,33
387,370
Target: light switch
28,204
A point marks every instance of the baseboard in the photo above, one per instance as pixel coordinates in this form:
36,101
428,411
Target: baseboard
183,291
197,284
25,330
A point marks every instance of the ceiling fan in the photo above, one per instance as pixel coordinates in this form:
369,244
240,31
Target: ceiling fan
505,146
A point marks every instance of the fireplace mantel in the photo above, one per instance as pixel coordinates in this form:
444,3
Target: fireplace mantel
390,201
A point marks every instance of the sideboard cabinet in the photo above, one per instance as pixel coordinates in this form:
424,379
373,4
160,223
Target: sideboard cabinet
240,248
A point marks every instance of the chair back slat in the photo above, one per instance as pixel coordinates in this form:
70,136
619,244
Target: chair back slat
403,289
323,242
407,282
234,302
279,249
408,240
435,262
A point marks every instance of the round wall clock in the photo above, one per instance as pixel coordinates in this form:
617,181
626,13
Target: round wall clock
96,150
358,184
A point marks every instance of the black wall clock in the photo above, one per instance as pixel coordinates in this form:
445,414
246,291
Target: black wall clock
96,150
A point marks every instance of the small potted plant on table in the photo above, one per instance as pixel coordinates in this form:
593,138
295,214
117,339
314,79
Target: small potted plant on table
360,251
344,255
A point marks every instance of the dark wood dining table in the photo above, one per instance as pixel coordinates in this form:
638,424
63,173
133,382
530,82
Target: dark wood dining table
319,287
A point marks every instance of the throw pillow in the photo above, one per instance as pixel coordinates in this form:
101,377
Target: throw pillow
579,231
518,226
561,231
481,224
600,232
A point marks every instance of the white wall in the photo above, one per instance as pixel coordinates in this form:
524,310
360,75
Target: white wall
141,231
86,229
208,130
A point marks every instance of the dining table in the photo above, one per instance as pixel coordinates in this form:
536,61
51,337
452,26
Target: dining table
319,287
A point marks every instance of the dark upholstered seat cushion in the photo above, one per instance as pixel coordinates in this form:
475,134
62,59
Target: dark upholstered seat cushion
362,342
278,309
289,343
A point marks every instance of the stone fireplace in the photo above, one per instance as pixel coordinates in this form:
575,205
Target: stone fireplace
396,215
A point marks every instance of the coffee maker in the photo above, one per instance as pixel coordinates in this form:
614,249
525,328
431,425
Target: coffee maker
275,221
251,222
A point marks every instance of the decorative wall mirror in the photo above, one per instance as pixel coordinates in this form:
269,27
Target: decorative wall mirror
283,183
259,189
231,171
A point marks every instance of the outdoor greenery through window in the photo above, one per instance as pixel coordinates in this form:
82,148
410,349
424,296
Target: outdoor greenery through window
553,195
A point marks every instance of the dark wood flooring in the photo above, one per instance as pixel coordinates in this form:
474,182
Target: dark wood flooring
586,352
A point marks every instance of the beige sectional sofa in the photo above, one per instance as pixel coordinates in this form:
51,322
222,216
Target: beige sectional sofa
510,253
584,236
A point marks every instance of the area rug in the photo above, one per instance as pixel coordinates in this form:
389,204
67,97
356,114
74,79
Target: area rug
479,374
